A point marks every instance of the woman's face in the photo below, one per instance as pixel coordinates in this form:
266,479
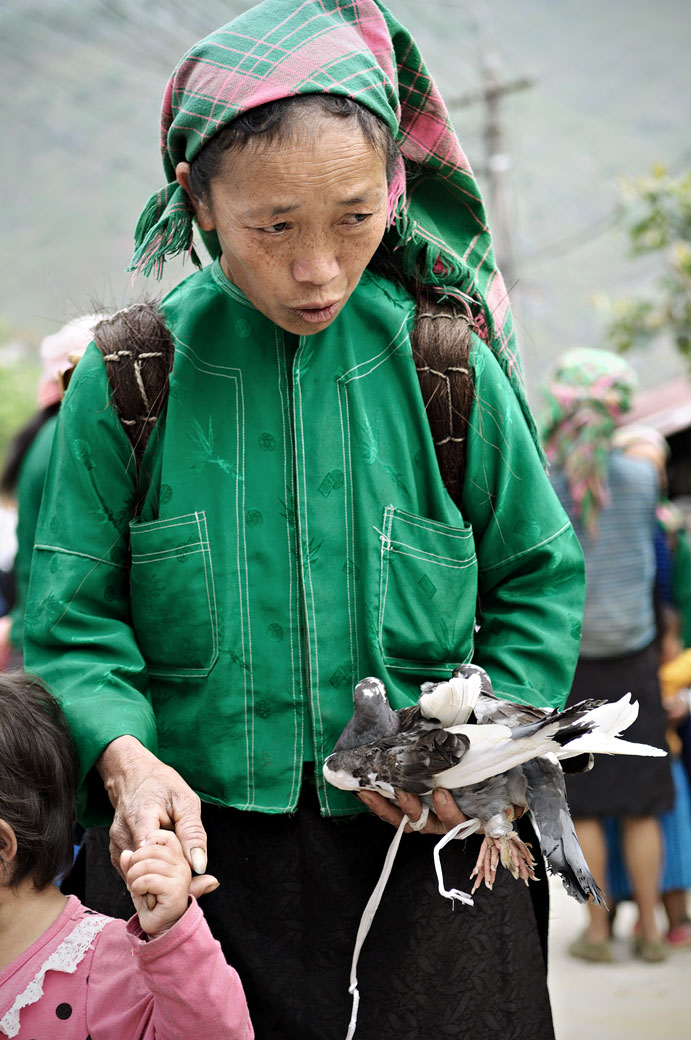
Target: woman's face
298,220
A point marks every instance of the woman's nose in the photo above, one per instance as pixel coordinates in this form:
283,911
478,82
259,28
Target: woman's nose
317,265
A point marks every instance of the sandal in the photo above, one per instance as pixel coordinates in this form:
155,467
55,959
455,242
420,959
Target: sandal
651,950
680,935
585,949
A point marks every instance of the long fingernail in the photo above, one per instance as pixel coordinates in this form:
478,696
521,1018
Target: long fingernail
198,858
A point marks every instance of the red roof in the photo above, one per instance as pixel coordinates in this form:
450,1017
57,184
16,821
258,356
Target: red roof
666,407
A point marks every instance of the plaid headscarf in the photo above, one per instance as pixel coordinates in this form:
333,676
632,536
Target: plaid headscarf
357,49
586,395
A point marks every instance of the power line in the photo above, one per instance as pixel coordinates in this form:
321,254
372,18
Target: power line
497,158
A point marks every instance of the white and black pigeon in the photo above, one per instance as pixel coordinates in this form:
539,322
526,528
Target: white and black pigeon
483,763
372,718
537,784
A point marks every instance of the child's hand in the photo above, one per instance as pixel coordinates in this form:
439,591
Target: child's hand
159,880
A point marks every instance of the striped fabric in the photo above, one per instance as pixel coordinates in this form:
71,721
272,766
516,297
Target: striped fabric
620,562
354,48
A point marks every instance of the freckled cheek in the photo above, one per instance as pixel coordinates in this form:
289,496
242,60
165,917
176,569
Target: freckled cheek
265,267
356,256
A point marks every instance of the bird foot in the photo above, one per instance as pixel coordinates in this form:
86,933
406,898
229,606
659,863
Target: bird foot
511,852
516,856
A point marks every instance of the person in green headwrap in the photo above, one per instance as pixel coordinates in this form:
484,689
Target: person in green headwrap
612,499
298,521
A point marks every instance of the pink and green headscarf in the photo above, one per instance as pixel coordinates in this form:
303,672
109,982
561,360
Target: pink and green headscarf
587,394
357,49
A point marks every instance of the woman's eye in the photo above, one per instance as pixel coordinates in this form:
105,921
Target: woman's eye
275,229
356,218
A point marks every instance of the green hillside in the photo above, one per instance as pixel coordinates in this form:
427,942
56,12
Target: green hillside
81,82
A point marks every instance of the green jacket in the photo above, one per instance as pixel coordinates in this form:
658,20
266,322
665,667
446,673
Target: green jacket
295,537
32,474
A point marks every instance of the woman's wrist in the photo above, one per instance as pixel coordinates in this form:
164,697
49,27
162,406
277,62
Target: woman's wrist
118,759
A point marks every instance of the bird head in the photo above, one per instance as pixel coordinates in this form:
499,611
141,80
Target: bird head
373,716
466,671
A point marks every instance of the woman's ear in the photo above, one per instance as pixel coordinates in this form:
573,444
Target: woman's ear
8,849
202,210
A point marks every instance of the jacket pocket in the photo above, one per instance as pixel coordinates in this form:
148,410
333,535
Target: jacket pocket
173,597
428,593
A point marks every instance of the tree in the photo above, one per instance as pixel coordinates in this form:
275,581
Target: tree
655,212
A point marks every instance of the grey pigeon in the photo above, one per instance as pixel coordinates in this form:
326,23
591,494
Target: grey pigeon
483,764
545,790
372,718
475,765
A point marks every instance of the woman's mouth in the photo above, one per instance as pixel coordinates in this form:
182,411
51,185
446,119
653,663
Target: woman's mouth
316,315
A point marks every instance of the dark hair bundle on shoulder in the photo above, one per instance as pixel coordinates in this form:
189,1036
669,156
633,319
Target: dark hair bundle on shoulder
441,348
442,336
138,350
38,779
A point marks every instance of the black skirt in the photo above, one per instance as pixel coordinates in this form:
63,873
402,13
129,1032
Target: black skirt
287,912
623,785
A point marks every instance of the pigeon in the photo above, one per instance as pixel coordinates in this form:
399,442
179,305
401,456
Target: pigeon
486,764
474,762
372,718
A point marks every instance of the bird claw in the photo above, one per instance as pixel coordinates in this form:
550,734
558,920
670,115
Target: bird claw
513,853
517,857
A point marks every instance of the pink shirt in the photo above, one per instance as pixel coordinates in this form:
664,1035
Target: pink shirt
91,977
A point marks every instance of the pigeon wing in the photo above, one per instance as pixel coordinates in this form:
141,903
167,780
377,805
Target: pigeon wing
408,761
546,794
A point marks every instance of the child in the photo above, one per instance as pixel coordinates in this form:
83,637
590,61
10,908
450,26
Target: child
66,972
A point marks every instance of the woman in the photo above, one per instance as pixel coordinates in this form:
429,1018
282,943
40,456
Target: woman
27,462
294,533
645,442
612,498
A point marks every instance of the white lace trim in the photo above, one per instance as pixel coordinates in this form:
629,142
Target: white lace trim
66,957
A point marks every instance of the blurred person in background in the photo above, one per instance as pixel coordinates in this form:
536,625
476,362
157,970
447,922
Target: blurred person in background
612,499
673,576
27,462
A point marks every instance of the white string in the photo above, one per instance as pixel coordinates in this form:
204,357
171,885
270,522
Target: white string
366,923
422,819
461,830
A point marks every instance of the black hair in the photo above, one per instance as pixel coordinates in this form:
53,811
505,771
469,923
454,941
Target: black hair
20,444
441,337
38,779
276,121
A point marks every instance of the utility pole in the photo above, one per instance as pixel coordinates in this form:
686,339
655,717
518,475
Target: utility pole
497,160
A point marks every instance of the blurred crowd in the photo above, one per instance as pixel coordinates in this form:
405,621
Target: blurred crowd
632,816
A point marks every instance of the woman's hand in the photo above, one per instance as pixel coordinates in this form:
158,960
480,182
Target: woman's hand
445,816
158,878
149,796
